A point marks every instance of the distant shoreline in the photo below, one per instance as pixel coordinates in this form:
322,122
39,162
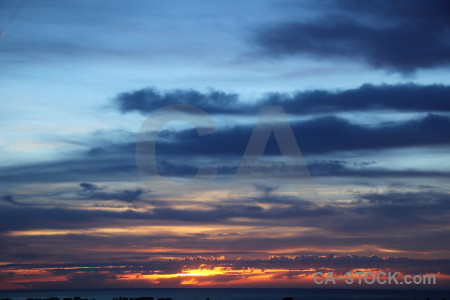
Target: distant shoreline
224,294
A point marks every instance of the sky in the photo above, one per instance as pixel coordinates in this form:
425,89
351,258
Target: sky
222,143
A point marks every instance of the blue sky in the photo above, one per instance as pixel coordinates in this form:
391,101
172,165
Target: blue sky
62,63
365,87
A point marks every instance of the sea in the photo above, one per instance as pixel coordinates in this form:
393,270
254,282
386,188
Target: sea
232,294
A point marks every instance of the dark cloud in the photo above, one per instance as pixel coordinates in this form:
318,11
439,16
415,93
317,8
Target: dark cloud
379,211
26,218
401,210
266,189
125,195
74,280
319,168
416,207
21,218
347,228
409,198
229,211
396,35
344,168
318,136
28,256
99,163
402,97
321,135
93,192
173,167
65,249
150,99
9,199
89,186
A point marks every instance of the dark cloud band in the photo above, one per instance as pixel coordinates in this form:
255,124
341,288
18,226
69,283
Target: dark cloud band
401,97
402,36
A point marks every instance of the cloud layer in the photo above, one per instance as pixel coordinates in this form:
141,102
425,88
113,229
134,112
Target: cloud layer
368,97
401,36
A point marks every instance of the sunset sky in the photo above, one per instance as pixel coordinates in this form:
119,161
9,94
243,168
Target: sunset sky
352,99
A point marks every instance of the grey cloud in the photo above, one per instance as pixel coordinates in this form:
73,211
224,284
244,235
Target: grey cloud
9,199
403,97
401,36
91,191
149,99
